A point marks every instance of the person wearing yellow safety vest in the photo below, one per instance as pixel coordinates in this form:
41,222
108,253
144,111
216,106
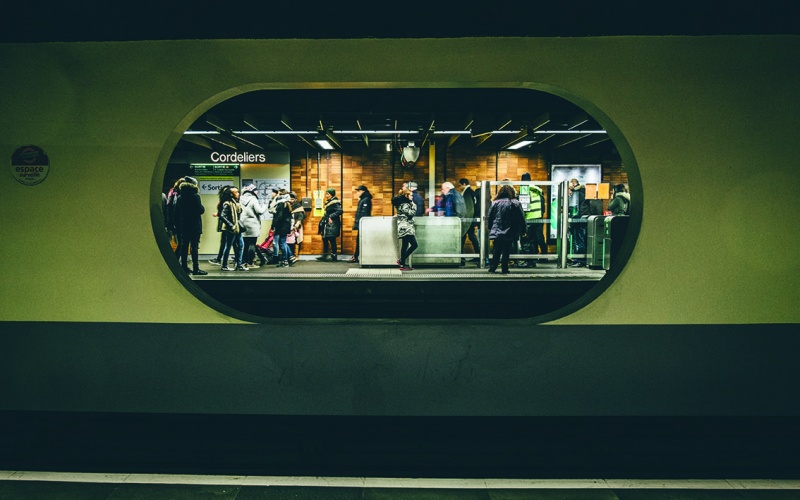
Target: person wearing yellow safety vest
533,242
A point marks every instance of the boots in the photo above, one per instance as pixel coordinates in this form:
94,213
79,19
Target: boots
333,257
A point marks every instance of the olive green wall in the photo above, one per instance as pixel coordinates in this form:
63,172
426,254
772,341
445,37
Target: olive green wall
711,121
708,127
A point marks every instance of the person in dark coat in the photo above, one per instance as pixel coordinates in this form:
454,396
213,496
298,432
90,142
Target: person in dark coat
330,226
472,204
506,225
189,223
416,198
283,222
620,204
364,209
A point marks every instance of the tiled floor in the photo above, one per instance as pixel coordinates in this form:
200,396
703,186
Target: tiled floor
78,486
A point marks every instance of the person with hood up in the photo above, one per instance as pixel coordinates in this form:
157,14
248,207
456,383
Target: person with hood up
330,226
406,233
189,223
621,203
506,225
364,209
250,218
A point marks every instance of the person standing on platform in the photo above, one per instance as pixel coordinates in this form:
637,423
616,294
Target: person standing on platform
170,218
447,205
298,216
232,229
189,210
506,225
534,241
416,198
578,208
406,233
283,223
251,221
620,204
364,209
330,225
471,203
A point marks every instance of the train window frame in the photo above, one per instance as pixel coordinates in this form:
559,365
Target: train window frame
408,299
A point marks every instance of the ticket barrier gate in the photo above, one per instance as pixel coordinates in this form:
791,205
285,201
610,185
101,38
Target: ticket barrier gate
615,228
595,235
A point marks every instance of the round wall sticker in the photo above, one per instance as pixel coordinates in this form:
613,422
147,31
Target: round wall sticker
30,165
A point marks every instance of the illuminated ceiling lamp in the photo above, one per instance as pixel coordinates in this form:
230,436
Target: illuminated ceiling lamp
522,139
410,153
326,141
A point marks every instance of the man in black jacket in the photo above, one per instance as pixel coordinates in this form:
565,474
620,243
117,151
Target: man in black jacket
364,209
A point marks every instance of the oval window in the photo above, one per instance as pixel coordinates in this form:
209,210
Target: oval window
305,203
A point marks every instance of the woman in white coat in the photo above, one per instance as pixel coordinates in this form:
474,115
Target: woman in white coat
251,222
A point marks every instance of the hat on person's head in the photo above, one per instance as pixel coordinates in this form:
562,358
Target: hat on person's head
293,195
190,180
362,188
412,186
250,187
274,189
331,191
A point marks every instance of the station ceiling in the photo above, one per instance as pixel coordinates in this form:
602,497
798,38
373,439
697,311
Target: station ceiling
477,118
315,19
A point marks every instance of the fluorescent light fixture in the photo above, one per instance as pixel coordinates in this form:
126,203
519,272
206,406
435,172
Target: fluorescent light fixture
390,132
570,132
453,132
521,144
324,143
275,132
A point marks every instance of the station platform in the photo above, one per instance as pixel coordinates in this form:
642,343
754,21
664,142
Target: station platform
75,486
348,290
308,267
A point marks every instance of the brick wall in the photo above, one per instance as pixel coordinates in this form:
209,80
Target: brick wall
383,174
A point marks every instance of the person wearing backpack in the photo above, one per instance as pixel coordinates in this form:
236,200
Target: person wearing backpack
621,203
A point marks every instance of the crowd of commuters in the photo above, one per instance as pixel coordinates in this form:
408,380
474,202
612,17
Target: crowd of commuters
512,217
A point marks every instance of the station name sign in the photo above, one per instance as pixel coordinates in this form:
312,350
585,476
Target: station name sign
243,157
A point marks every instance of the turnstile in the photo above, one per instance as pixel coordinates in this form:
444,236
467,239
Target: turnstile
615,228
595,234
